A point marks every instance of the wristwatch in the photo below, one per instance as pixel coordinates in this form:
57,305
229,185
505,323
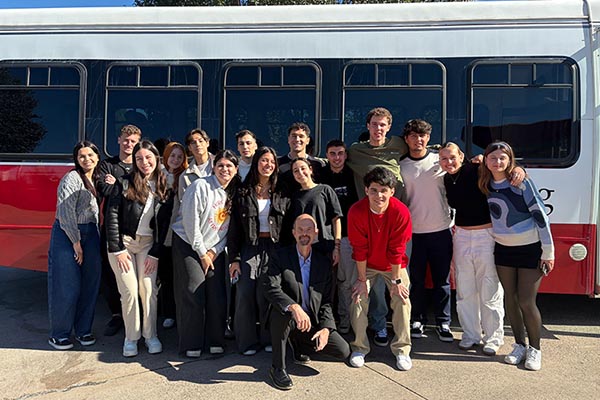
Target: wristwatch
396,281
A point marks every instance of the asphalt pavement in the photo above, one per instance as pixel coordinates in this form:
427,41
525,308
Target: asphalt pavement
31,369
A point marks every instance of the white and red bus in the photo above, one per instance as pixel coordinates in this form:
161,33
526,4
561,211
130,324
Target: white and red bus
524,72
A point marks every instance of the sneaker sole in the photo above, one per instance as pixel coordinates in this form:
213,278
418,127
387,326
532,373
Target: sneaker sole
130,353
381,344
155,351
61,347
86,342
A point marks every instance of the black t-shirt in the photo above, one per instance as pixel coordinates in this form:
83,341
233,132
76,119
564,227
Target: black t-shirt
322,203
465,197
343,185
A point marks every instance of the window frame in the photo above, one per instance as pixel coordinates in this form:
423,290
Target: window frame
151,63
565,162
443,87
80,67
317,87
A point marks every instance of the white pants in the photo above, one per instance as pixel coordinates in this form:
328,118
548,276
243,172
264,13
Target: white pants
134,285
479,295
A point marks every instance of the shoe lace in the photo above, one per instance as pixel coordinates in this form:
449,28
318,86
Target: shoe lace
382,332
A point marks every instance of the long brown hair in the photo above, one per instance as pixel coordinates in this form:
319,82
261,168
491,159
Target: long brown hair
89,185
139,190
485,175
167,153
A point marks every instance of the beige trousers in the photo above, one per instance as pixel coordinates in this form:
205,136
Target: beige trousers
135,284
401,343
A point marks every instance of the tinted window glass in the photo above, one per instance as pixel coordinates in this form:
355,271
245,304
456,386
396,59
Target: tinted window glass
158,113
154,76
38,76
536,122
360,74
521,74
301,75
13,76
60,76
184,76
270,76
39,121
426,74
120,75
393,74
242,76
268,113
404,104
553,73
491,74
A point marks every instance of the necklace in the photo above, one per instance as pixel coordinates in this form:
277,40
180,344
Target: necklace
374,217
452,177
262,191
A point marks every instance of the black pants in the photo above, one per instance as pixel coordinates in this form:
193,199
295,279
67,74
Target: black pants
108,283
251,305
166,295
283,327
200,299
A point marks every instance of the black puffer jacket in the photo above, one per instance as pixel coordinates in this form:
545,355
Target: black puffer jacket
123,217
244,226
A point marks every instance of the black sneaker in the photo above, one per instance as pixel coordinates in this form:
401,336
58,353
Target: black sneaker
114,325
60,344
381,338
417,329
444,333
86,340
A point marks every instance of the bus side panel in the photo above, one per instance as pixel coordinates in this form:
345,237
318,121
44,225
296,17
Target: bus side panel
27,209
569,276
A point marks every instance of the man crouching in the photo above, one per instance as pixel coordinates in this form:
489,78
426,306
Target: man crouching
298,286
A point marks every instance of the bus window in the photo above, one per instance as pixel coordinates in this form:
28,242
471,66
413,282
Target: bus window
41,108
530,104
163,100
267,98
409,89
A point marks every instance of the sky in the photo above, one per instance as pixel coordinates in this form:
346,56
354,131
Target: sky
63,3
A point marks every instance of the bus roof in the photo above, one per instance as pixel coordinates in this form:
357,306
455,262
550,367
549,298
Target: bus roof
297,17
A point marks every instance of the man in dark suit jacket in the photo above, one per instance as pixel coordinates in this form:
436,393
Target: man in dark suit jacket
298,286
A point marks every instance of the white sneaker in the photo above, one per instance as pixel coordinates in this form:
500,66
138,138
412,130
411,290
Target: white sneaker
130,348
533,359
154,345
193,353
491,349
517,354
357,359
249,352
168,323
404,363
216,350
269,349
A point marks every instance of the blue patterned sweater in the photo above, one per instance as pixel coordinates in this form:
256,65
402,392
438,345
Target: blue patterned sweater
519,216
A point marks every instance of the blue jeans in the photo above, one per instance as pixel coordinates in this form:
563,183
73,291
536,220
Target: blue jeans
378,309
73,288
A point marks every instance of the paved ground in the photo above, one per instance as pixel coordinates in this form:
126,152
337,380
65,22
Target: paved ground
30,369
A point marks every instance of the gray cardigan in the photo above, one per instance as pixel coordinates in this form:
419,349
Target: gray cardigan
75,205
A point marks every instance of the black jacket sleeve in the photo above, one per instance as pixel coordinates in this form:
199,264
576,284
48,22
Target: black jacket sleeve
113,237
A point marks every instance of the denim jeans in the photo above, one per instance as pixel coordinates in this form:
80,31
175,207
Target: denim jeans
378,309
73,288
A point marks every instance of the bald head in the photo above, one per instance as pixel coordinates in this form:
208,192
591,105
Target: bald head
305,230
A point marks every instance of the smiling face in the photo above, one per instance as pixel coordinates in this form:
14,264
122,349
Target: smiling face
497,162
451,159
337,157
298,140
175,159
127,143
417,143
302,173
145,161
266,165
379,196
246,147
225,171
378,127
304,230
87,159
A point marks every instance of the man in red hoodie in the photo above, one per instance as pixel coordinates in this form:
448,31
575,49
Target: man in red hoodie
379,226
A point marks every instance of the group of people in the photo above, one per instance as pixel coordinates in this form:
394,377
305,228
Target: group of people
271,242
